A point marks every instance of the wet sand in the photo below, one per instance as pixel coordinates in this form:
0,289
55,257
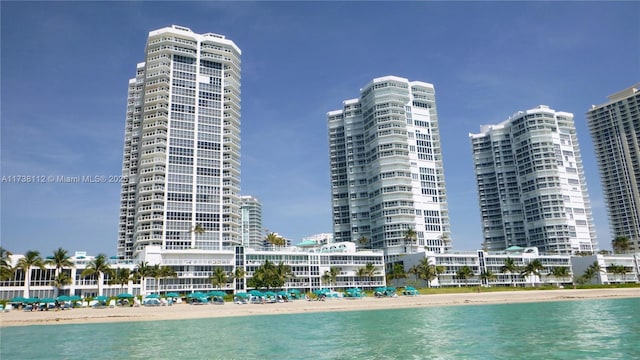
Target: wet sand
185,311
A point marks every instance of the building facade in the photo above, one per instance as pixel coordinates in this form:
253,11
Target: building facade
531,185
615,131
194,270
252,230
182,145
387,174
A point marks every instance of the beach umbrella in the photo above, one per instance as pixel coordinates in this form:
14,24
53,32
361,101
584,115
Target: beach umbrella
63,298
101,298
197,295
18,299
47,300
242,295
75,298
294,291
256,293
153,296
173,294
216,293
125,296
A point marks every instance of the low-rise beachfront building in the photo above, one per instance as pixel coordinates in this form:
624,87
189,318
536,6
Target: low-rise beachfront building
608,269
505,268
194,269
309,265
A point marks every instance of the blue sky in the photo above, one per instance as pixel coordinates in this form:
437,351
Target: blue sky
65,68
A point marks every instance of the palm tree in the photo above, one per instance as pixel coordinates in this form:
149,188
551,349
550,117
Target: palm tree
167,272
263,276
510,268
100,266
620,244
61,280
283,273
142,272
198,229
239,274
415,271
445,239
410,236
219,277
161,272
397,272
6,270
121,277
560,272
426,271
363,240
591,271
618,270
30,260
465,273
331,276
487,276
275,240
367,271
534,267
60,260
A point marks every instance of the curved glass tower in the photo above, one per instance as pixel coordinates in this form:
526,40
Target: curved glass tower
387,174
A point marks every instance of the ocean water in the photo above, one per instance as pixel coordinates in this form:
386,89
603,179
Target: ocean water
584,329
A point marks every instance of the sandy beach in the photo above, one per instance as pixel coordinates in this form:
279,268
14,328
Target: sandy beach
185,311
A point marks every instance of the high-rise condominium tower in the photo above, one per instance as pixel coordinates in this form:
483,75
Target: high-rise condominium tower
531,184
252,230
386,169
182,145
615,130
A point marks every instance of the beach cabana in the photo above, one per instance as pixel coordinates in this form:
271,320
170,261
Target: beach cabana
241,298
197,298
282,295
18,300
354,293
101,301
216,294
294,294
410,291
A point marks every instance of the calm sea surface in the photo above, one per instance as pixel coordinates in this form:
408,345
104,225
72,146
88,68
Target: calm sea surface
586,329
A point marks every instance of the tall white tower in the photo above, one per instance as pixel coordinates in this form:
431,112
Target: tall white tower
615,130
386,169
182,145
531,184
252,230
